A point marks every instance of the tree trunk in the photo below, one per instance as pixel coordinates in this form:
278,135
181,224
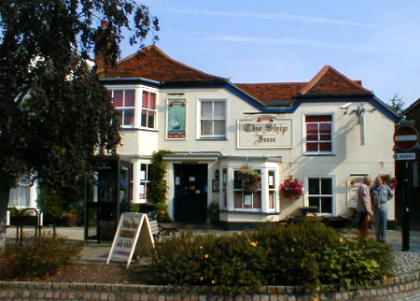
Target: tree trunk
4,201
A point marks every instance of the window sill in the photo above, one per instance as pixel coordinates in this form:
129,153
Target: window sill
138,129
250,211
320,154
212,139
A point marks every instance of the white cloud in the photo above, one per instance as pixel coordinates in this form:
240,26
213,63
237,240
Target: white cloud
272,16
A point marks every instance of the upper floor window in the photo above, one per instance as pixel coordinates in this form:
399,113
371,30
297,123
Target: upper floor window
213,119
318,134
148,110
124,104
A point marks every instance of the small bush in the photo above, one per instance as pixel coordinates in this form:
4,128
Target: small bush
36,258
308,254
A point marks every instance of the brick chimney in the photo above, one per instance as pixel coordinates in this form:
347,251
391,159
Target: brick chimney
100,62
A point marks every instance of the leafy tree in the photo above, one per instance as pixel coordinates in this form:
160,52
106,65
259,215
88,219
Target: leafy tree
397,104
54,113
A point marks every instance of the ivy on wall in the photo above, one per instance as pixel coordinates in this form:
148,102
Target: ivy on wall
158,184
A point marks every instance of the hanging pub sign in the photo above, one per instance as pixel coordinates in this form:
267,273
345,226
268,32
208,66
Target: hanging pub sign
133,233
264,132
176,119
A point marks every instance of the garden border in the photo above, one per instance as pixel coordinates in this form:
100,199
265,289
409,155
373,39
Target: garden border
393,288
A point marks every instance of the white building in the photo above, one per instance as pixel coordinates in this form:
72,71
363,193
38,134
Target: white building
327,132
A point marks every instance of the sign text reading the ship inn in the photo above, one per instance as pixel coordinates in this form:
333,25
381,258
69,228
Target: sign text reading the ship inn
264,132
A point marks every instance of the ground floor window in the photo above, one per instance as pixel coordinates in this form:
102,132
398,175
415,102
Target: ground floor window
320,194
144,181
244,199
272,189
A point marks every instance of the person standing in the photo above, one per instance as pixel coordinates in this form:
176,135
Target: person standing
364,207
381,193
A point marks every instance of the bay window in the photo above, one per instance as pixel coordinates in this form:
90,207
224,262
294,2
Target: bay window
212,119
148,110
272,190
320,194
318,134
245,199
123,101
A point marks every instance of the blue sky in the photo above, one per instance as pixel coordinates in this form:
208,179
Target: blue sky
268,41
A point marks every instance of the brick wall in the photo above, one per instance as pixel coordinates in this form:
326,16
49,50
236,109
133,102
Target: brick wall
390,289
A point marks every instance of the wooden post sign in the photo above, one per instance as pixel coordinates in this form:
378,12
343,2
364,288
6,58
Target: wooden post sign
133,232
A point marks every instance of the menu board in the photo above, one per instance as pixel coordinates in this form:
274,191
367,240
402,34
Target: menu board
133,232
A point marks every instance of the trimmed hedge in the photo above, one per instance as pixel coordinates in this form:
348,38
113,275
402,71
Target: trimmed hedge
308,254
36,258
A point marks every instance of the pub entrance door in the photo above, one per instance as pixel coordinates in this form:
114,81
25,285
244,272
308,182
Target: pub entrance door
190,203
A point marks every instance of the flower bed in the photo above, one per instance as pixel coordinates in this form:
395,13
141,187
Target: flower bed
308,254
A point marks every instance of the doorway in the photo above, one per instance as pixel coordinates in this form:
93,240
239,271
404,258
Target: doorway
190,202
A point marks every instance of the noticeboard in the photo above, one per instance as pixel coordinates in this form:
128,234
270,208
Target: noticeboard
133,232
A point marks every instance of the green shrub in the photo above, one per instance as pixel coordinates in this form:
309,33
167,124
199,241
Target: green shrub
36,258
308,254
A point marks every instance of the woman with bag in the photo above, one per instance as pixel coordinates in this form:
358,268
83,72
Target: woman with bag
364,207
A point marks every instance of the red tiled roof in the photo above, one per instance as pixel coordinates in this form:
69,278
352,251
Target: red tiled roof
327,82
152,63
268,93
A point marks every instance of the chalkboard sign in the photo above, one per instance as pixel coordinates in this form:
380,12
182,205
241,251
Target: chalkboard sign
133,232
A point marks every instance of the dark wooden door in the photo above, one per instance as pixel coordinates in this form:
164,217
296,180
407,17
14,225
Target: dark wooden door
190,193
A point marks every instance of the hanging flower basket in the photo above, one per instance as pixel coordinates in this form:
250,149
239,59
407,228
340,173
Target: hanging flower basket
250,179
291,188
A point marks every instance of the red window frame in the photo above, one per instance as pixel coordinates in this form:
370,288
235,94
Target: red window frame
318,130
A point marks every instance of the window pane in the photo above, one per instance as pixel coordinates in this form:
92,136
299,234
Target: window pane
236,180
206,110
152,101
313,186
271,179
145,103
271,199
143,172
326,204
118,98
314,202
129,98
325,131
206,128
325,147
219,128
151,120
326,186
238,199
144,118
129,117
311,147
247,200
257,200
312,132
219,110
